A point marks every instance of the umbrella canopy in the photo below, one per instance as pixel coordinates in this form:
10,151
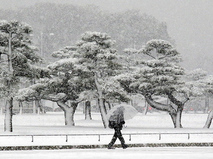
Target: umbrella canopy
121,112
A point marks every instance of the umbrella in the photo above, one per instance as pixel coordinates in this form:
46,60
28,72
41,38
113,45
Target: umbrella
121,112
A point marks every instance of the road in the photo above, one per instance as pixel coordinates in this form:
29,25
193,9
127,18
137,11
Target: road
130,153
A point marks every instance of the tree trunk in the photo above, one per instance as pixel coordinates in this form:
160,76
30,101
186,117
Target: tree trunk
163,107
8,127
146,108
10,66
69,112
206,104
88,110
209,120
104,103
9,106
103,113
109,105
34,102
69,119
40,108
100,103
20,108
83,106
178,118
37,106
174,118
42,104
180,106
34,107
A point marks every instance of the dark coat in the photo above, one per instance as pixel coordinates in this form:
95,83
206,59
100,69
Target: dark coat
118,123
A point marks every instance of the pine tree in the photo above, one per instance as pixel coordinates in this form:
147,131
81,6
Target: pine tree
159,74
17,57
86,71
97,54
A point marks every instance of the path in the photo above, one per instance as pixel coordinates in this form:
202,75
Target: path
130,153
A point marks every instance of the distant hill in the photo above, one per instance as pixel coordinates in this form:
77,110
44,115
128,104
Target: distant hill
58,25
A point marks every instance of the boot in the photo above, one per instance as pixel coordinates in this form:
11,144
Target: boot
125,146
123,143
110,147
112,143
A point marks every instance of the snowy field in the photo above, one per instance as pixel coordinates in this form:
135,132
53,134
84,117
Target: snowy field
52,124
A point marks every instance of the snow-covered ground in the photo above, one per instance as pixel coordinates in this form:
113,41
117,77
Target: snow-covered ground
53,124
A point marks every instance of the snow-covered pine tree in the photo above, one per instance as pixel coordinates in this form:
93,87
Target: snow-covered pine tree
17,57
85,71
98,55
67,81
158,74
208,82
195,87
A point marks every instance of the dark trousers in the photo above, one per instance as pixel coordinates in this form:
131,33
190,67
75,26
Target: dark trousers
116,135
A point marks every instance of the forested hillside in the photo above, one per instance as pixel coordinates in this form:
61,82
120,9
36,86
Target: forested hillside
58,25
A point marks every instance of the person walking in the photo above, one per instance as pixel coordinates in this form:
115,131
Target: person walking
117,125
